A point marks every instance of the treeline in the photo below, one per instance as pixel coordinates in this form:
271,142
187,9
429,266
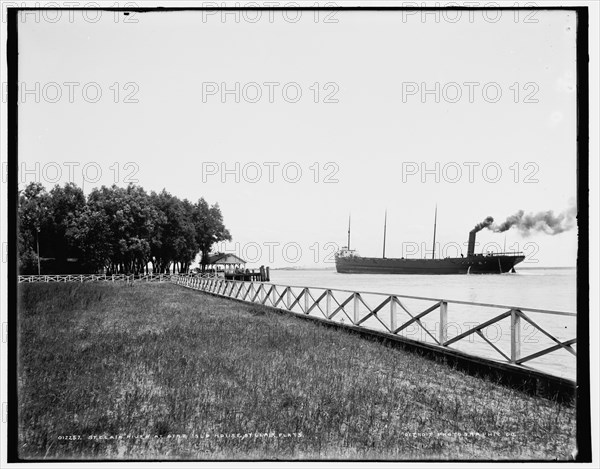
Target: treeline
113,229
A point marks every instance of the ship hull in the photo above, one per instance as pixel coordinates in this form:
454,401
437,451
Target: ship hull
476,264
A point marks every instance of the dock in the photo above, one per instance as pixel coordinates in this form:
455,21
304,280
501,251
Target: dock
255,275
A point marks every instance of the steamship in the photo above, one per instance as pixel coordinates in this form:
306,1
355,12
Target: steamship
347,261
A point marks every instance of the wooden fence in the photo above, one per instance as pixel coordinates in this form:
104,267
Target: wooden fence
527,338
106,278
520,340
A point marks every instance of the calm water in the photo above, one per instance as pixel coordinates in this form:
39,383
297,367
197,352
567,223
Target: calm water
552,289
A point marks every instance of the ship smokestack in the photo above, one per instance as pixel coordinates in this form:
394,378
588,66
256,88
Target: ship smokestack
471,249
473,234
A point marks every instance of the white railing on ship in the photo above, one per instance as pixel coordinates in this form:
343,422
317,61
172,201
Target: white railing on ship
387,309
105,278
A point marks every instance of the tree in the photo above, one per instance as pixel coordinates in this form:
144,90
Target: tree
119,230
65,204
175,240
130,221
210,229
92,235
32,219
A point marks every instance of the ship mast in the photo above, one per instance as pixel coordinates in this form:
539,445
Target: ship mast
384,232
434,230
349,219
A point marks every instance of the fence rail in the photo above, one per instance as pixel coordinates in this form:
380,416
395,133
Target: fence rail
399,314
528,338
106,278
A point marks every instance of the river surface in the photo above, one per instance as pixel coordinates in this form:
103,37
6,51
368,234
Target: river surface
544,288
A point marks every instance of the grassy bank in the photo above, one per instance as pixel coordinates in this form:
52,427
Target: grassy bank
158,371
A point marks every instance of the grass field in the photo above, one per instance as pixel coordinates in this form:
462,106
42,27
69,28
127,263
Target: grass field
161,372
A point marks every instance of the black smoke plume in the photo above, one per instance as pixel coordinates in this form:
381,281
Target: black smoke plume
484,224
547,222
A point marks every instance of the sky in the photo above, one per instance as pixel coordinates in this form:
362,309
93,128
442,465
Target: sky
292,123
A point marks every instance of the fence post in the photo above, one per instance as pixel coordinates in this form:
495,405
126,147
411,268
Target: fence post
515,335
443,333
393,319
289,297
306,301
356,308
328,303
